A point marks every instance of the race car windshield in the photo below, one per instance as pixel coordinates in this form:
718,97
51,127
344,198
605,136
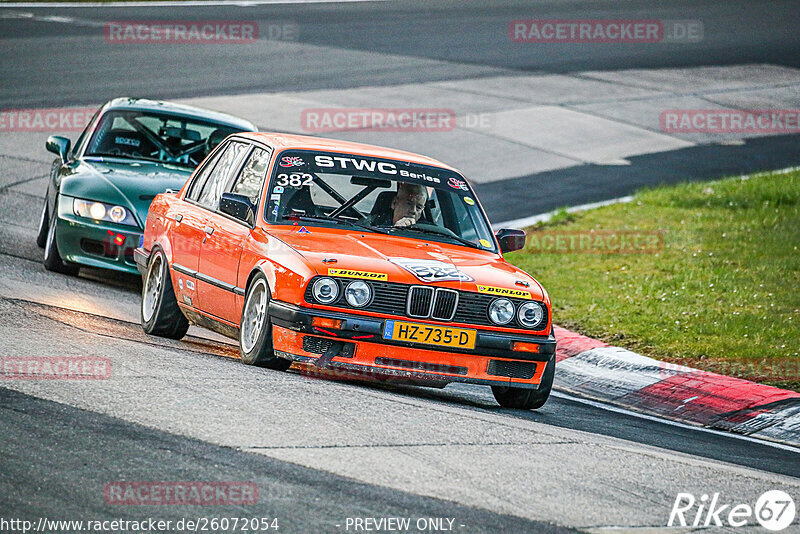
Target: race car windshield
380,195
156,137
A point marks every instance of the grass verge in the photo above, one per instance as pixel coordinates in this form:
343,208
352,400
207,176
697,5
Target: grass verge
720,292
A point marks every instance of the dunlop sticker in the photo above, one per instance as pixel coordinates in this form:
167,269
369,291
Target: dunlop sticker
364,275
503,292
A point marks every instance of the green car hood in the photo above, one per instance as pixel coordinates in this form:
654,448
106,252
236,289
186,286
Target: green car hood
131,185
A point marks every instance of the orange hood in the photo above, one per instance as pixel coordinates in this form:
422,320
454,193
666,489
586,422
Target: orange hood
406,260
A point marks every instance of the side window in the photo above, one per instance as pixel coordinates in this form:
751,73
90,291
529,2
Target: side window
251,180
201,176
227,164
457,218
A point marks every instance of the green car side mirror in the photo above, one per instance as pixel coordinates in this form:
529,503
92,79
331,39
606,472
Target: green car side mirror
59,146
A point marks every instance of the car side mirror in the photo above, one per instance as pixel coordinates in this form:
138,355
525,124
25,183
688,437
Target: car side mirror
510,240
59,146
238,206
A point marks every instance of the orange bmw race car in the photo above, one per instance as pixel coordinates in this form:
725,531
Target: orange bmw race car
350,257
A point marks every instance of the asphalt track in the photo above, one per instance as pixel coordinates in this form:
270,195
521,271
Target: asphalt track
321,451
47,63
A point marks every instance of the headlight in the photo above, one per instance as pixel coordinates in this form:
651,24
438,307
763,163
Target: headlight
100,211
530,314
358,294
501,311
325,290
117,214
97,211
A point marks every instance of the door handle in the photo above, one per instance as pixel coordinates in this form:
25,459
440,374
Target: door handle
209,230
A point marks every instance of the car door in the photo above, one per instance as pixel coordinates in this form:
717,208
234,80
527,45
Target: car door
191,221
222,249
210,287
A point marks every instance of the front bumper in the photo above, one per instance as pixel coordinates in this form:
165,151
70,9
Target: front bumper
95,244
358,347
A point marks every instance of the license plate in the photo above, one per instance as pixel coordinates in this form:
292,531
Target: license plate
429,334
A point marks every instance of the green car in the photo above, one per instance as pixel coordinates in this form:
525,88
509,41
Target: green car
100,189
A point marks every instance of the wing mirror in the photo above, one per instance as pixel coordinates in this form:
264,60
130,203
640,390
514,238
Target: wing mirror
59,146
510,240
238,206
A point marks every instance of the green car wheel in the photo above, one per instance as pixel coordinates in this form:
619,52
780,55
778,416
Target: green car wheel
44,226
52,259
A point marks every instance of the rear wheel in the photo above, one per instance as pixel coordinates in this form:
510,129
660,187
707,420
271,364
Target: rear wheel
255,330
527,399
160,314
44,227
52,258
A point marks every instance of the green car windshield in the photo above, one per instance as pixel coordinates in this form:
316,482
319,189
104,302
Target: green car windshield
156,137
379,195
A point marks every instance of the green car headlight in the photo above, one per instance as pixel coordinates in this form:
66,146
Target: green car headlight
100,211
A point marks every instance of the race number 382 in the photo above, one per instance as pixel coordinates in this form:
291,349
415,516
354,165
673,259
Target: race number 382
294,179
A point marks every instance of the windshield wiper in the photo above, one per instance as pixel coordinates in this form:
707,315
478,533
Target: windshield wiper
369,227
335,219
434,232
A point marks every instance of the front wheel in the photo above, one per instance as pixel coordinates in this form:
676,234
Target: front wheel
160,314
44,226
255,330
52,258
527,399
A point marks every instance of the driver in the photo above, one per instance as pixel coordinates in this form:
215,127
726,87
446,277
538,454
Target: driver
406,207
215,138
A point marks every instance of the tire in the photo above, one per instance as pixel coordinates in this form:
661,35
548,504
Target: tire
52,259
159,313
527,399
44,226
255,329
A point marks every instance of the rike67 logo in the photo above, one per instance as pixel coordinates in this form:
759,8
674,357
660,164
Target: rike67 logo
774,510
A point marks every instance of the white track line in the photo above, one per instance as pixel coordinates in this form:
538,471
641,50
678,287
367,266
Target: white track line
178,3
610,408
